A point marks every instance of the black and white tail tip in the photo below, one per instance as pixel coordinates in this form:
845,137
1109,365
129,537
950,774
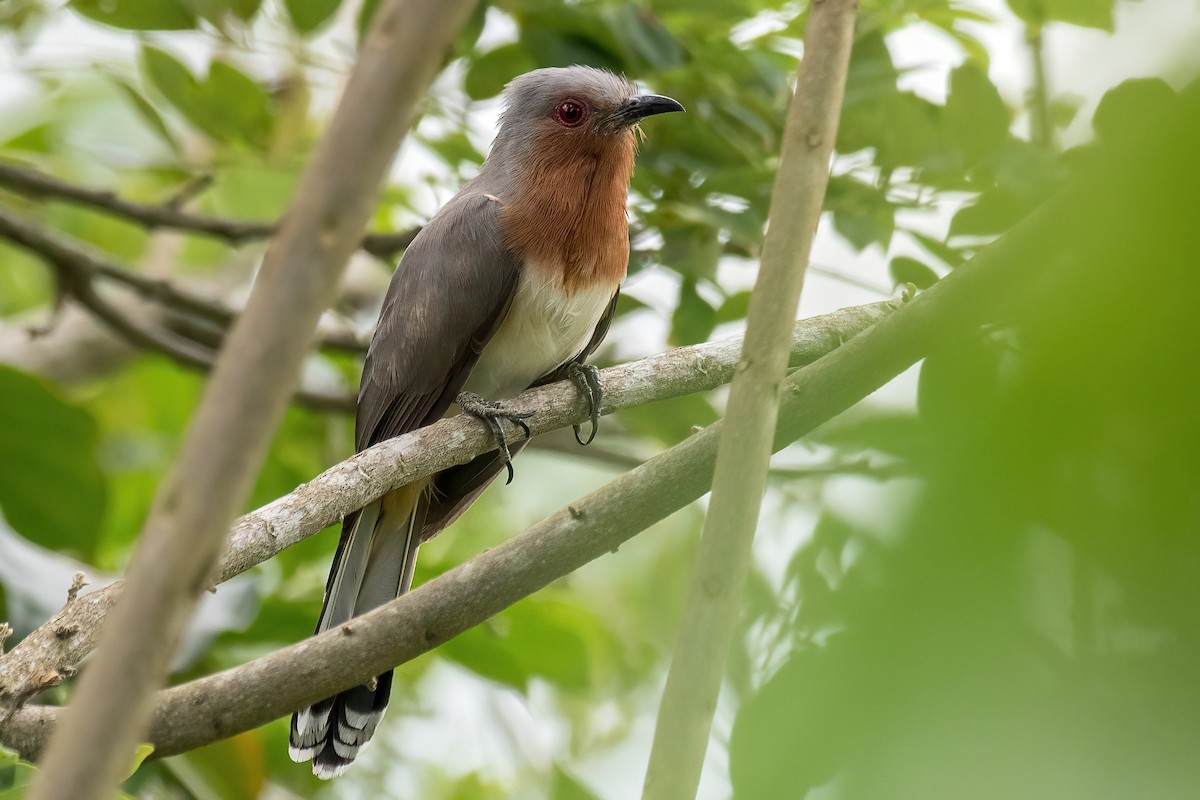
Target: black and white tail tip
331,733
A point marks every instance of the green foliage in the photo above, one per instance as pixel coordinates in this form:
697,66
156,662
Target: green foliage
139,15
971,654
226,104
48,453
1016,617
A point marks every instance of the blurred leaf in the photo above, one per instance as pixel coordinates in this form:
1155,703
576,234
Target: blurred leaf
227,104
48,453
562,35
976,117
734,308
1124,109
566,787
908,270
148,113
948,255
140,754
139,15
246,106
231,769
1085,13
489,72
899,434
991,213
669,421
694,319
861,213
308,15
793,733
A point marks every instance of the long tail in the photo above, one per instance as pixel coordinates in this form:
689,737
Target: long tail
374,564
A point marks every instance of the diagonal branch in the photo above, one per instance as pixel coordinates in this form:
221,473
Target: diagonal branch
723,557
249,389
168,215
274,685
77,268
62,642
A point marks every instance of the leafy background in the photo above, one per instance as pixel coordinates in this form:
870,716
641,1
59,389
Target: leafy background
978,583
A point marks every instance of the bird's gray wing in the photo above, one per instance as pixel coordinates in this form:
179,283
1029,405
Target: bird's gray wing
455,489
449,294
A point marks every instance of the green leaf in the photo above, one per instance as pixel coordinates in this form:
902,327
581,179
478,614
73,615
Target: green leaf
567,787
908,270
734,308
147,112
1125,108
140,754
992,213
694,319
976,117
167,74
228,104
308,15
51,489
1085,13
862,213
489,72
246,106
669,421
139,15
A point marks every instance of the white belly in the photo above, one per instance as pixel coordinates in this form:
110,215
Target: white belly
544,328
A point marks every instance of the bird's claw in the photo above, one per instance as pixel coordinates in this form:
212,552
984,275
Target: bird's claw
491,412
587,379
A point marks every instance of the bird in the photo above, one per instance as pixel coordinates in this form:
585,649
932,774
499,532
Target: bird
513,283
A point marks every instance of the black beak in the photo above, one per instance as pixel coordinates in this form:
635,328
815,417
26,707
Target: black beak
645,105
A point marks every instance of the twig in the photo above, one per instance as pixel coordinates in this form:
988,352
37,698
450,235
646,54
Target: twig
169,215
723,560
252,694
76,268
246,396
77,584
357,481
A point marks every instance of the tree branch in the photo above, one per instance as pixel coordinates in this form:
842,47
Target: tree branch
62,642
248,392
168,215
241,698
77,268
723,560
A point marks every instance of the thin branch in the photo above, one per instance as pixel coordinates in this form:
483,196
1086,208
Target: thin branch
1041,127
723,560
246,396
255,693
368,475
252,694
77,268
168,215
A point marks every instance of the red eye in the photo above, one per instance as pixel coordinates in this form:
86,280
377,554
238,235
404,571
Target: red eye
571,113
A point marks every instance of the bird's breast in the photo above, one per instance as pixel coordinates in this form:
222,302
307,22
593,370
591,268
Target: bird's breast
545,327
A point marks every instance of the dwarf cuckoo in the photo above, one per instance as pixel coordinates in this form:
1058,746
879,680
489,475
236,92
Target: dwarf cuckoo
511,284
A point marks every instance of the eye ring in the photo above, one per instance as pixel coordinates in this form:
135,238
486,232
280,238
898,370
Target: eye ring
571,113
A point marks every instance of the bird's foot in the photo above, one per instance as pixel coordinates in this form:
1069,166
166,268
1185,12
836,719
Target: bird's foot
491,412
587,380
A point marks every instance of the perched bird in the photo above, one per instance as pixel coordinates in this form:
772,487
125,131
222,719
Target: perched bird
511,284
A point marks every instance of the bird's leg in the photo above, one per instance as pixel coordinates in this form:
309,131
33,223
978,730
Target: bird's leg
491,412
587,380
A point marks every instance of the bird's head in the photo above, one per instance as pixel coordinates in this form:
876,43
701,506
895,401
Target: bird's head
580,106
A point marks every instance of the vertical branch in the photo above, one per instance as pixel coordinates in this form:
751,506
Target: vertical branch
685,718
1041,129
184,532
